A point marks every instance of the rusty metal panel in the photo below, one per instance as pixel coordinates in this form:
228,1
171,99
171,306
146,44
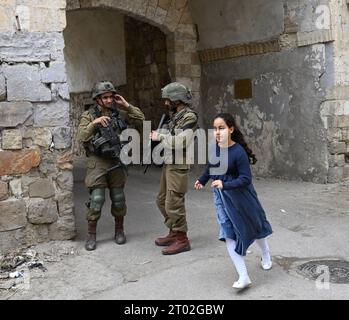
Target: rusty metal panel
243,89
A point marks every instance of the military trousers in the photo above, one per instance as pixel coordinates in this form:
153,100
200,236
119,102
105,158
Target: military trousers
97,180
171,198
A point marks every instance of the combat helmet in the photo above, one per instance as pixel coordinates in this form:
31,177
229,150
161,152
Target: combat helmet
102,87
176,91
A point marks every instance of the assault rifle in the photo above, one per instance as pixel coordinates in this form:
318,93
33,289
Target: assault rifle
161,123
107,143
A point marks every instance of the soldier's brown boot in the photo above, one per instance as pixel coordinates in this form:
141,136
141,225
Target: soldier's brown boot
120,237
181,244
91,243
167,240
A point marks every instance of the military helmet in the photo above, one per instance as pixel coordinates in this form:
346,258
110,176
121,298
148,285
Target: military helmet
102,87
176,91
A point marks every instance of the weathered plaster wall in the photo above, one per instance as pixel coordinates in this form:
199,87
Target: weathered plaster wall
282,120
95,48
290,118
222,23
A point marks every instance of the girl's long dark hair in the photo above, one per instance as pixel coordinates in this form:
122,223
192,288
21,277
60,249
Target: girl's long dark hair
237,135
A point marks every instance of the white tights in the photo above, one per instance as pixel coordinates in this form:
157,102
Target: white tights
238,260
263,245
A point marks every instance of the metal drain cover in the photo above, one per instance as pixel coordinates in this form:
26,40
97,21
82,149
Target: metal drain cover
338,270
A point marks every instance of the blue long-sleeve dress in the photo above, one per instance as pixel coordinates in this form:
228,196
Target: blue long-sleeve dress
239,213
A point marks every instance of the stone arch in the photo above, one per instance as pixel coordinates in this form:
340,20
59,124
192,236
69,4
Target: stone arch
174,19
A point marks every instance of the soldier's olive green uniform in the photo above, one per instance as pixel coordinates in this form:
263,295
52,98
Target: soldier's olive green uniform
174,177
96,178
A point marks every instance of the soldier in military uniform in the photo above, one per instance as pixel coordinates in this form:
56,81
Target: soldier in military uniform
103,154
174,177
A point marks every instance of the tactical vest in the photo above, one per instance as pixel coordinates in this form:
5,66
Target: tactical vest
106,142
177,122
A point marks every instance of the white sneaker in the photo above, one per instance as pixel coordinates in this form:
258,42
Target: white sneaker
242,284
266,265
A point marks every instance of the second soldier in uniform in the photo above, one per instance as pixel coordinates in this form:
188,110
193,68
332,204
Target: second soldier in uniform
174,178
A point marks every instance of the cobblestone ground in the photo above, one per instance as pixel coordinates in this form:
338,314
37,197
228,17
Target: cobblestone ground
310,222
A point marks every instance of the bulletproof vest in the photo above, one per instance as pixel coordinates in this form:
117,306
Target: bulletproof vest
106,142
176,121
180,122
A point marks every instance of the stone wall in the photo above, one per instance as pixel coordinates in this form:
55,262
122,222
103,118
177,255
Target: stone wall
36,181
147,68
335,108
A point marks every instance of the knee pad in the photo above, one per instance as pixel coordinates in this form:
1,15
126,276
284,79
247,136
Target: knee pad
117,197
97,199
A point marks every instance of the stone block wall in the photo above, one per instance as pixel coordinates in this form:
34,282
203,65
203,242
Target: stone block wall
147,68
335,109
36,182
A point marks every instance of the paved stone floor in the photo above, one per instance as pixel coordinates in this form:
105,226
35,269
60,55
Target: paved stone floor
310,222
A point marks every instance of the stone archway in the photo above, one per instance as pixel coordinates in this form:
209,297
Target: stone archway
36,180
174,19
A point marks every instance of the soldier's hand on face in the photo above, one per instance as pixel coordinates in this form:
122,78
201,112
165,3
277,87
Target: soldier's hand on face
198,185
104,121
121,101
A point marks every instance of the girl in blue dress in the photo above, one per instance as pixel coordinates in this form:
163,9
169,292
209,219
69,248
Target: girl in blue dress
240,215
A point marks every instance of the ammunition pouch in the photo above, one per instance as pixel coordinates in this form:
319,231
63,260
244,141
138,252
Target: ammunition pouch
106,145
106,142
